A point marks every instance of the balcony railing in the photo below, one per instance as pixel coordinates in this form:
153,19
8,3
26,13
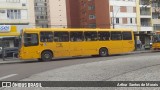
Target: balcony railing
144,2
145,24
145,13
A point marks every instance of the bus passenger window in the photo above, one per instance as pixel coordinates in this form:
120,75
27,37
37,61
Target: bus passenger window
46,36
90,36
127,35
116,36
76,36
103,36
61,36
30,39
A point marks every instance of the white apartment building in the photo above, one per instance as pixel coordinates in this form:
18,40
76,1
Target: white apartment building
132,14
14,16
17,12
123,14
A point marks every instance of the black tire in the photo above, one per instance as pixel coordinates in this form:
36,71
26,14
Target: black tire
103,52
46,56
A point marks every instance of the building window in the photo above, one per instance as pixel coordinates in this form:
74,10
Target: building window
14,14
131,21
13,1
117,20
91,7
92,16
92,25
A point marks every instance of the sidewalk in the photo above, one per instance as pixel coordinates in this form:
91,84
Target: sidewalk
10,61
140,51
16,60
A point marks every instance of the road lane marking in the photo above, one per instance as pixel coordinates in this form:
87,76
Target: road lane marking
11,75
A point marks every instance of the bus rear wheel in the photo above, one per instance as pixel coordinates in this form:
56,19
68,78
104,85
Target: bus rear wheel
103,52
46,56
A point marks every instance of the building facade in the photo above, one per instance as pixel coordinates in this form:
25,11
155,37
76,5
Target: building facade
133,14
17,12
88,13
156,16
123,14
50,13
14,16
73,13
41,13
144,21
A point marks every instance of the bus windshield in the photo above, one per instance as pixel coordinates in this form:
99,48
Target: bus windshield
156,38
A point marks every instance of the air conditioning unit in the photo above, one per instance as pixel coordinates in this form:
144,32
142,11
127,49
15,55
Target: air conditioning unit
2,11
23,4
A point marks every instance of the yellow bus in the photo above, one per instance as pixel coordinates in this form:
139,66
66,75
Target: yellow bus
156,41
47,43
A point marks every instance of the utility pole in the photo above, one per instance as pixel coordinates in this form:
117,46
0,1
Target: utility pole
113,17
113,25
3,50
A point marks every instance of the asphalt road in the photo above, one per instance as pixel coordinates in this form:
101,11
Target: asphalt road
19,71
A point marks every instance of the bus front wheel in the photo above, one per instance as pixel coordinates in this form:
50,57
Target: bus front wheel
46,56
103,52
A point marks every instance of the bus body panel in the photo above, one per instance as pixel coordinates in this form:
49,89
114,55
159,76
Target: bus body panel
76,48
62,49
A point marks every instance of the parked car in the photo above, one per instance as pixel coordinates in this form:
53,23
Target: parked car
9,52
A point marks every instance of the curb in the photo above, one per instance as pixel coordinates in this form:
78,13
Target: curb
13,61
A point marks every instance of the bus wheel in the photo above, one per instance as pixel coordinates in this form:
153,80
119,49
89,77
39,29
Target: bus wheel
103,52
46,56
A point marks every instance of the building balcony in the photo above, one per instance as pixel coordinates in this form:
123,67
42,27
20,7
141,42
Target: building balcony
13,6
144,2
146,16
16,21
127,26
146,28
156,21
145,13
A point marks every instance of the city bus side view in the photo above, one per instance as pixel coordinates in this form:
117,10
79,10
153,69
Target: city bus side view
47,43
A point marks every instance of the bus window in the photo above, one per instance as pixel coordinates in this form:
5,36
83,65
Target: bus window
103,36
30,39
127,35
116,36
46,36
61,36
90,36
76,36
